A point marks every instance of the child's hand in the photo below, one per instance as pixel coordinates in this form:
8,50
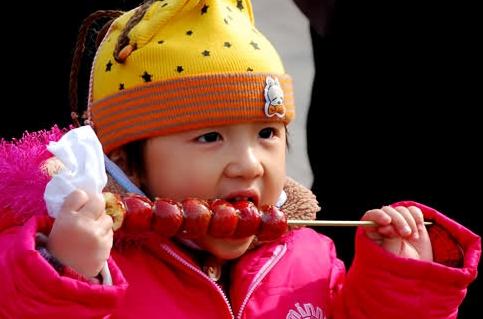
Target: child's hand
401,231
82,235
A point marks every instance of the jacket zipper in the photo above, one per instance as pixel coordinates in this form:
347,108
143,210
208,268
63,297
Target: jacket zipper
202,274
278,253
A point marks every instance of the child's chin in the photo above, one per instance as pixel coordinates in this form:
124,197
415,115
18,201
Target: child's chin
226,248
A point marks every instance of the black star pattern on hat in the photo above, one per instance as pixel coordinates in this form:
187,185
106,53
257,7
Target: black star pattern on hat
249,69
227,44
160,41
189,32
206,53
226,21
179,69
121,86
204,9
164,5
255,45
108,66
228,8
239,4
147,77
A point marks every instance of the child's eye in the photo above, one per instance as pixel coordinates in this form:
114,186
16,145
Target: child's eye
267,132
209,137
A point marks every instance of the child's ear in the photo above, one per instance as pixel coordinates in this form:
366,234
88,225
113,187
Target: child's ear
119,156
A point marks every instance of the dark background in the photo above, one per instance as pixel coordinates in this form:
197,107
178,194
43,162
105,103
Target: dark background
393,116
37,58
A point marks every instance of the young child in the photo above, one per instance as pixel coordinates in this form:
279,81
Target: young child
190,100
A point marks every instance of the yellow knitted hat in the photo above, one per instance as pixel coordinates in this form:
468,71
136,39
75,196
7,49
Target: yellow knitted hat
175,65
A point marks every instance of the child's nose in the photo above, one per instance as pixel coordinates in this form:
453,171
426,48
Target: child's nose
244,164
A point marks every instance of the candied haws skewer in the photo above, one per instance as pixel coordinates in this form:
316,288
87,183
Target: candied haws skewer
192,217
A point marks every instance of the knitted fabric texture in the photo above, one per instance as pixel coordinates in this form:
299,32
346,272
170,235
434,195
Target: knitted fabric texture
190,64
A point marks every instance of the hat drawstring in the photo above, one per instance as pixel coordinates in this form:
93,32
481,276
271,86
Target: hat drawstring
123,47
145,22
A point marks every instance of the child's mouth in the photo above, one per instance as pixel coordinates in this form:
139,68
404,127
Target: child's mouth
248,195
239,199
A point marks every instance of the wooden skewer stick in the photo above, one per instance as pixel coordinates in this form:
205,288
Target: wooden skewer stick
340,223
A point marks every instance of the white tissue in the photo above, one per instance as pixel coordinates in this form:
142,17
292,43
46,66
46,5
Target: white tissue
81,153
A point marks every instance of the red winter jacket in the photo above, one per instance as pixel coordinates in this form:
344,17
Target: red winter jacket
295,277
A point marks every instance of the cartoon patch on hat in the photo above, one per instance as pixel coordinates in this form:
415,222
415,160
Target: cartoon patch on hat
273,98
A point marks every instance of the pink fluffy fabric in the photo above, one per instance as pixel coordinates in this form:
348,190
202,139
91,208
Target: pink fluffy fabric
22,179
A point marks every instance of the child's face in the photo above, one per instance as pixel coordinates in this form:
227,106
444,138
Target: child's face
230,162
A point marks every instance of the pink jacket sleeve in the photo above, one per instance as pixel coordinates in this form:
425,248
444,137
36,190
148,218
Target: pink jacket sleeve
380,285
31,288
